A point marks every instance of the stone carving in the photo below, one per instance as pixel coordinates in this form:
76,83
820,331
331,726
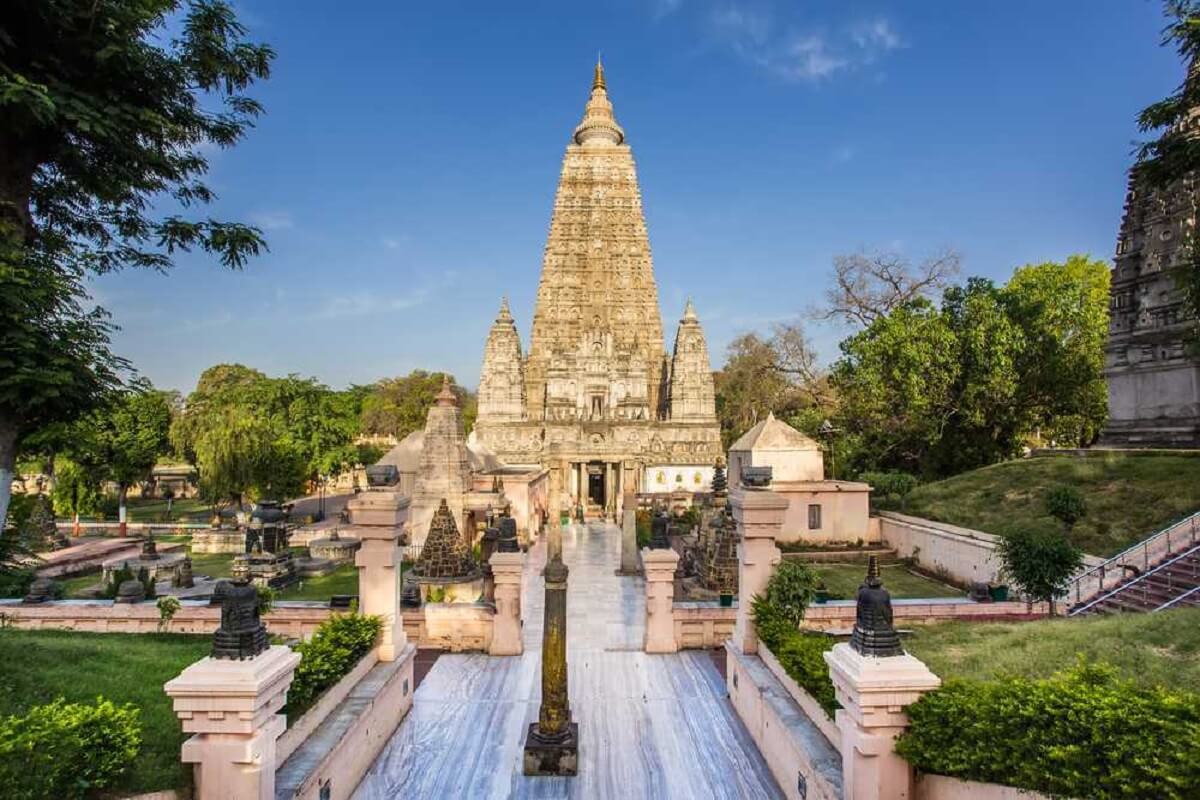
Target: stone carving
444,473
507,541
382,476
552,743
131,591
242,633
445,556
873,633
41,590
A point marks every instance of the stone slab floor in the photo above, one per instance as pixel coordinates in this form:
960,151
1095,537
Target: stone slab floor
651,726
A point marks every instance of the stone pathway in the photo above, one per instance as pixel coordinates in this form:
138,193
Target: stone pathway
651,726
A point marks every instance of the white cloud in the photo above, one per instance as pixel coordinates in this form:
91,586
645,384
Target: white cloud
363,304
273,220
796,52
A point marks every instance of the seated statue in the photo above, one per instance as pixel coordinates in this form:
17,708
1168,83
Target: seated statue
873,633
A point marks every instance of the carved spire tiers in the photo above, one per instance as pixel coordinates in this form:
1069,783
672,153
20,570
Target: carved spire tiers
444,473
599,126
445,556
502,380
693,395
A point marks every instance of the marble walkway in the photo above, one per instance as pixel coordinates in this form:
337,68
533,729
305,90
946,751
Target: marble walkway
651,726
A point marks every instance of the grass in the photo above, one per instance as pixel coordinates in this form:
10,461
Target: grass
1128,496
1160,649
215,565
844,580
343,580
184,509
74,586
38,666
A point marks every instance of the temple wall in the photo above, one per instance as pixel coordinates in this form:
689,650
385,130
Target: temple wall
702,626
844,516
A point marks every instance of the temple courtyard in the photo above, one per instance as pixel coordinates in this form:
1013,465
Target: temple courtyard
650,726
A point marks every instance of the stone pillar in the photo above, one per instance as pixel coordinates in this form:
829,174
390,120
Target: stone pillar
758,514
378,518
231,708
873,692
507,570
660,566
629,548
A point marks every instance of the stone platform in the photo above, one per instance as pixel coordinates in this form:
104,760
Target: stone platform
651,726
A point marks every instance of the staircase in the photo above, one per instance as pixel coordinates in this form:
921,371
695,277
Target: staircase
1163,571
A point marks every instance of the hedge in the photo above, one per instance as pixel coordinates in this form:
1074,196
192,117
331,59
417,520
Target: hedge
338,644
67,750
801,654
1082,733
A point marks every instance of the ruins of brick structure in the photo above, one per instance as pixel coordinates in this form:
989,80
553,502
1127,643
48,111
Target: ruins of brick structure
598,400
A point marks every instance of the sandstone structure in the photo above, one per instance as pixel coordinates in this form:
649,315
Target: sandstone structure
598,401
1153,382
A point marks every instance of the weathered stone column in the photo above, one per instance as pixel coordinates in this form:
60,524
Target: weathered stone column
874,680
552,744
629,548
377,517
660,566
758,514
507,569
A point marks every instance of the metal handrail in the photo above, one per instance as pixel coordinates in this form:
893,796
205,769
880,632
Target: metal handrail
1139,579
1143,548
1183,596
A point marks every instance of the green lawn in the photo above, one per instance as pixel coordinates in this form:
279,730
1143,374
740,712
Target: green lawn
1128,496
38,666
215,565
155,510
1152,649
844,580
343,580
74,586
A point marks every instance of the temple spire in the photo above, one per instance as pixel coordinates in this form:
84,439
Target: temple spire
599,126
598,80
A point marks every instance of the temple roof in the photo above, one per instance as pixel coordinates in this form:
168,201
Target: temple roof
444,554
599,124
772,434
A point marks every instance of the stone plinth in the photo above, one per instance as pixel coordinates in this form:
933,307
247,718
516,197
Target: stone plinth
873,693
660,566
758,514
232,709
506,626
378,522
219,540
334,547
161,566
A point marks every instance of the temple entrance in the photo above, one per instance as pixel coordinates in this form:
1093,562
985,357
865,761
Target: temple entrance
595,484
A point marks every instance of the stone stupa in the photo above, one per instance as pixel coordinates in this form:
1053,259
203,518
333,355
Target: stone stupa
446,569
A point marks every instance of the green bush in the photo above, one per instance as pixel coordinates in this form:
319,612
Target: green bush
67,750
338,644
642,527
890,486
776,617
1066,504
1082,733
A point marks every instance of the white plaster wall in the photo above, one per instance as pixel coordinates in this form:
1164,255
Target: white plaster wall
677,476
845,515
966,555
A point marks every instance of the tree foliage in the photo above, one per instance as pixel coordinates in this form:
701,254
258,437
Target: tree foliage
1040,564
397,406
104,118
868,286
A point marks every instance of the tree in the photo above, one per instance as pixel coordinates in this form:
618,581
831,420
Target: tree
397,406
749,386
1062,309
896,384
1174,154
868,286
104,115
124,439
1039,563
1066,504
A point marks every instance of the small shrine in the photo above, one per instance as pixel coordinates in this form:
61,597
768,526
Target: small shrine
446,568
334,548
158,566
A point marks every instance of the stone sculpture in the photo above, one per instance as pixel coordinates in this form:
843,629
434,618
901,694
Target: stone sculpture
873,633
242,633
445,556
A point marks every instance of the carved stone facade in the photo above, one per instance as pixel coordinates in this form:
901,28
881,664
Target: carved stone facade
1153,384
444,476
601,400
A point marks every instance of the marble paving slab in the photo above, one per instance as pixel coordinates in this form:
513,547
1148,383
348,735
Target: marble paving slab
651,726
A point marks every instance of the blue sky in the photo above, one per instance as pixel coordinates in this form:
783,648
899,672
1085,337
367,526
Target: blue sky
405,169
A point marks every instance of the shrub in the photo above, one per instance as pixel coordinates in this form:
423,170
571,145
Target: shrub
1082,733
1066,505
1040,564
338,644
168,607
66,750
890,487
266,598
642,526
791,589
802,656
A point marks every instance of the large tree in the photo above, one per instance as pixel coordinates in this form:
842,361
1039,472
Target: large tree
868,286
397,406
104,117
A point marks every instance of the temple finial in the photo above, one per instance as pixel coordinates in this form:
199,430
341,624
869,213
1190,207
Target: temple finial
446,396
689,310
598,81
505,315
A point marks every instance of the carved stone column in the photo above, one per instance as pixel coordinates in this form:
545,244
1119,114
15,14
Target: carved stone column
507,569
629,548
552,744
758,514
660,566
378,519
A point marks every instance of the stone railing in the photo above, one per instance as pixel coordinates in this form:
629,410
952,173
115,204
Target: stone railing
702,625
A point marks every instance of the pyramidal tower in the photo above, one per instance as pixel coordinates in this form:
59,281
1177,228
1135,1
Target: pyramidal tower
598,406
